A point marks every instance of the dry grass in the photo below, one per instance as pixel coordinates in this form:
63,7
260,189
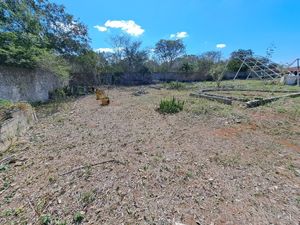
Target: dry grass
208,164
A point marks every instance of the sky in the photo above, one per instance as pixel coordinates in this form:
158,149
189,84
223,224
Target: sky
203,25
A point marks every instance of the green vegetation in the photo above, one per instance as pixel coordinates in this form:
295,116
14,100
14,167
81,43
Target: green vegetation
45,219
78,218
31,33
217,72
5,103
175,85
171,106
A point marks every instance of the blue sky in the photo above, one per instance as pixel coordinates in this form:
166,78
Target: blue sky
202,24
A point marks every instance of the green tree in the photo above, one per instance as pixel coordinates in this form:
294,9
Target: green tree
236,59
29,28
168,50
128,55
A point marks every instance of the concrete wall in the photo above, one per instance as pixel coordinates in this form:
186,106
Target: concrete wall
80,79
12,128
182,77
18,84
133,79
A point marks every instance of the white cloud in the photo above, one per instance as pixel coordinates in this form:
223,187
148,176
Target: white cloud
128,26
100,28
221,46
179,35
104,50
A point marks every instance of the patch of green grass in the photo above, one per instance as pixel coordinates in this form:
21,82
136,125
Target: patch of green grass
170,106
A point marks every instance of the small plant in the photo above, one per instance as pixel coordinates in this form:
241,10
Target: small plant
78,218
171,106
175,85
58,94
45,219
87,198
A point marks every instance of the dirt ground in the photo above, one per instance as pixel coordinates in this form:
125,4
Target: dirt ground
204,165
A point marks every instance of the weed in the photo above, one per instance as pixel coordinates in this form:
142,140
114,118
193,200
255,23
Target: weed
87,198
298,200
3,168
12,212
293,169
78,217
171,106
188,175
45,219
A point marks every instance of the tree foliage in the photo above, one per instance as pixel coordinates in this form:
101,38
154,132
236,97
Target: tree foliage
31,30
128,55
236,59
168,50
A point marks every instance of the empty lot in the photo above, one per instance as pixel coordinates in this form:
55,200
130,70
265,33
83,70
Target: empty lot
128,164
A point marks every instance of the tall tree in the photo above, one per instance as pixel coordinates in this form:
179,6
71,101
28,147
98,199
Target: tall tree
168,50
28,28
128,54
236,59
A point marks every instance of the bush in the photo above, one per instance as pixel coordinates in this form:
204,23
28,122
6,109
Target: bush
217,73
175,85
58,94
170,106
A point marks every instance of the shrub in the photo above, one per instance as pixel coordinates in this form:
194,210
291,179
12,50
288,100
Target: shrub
58,94
78,218
171,106
175,85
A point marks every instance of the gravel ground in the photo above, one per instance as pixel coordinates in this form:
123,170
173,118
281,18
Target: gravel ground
128,164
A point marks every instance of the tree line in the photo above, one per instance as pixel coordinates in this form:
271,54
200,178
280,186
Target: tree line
41,34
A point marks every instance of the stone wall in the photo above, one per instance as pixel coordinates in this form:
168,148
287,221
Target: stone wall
20,120
18,84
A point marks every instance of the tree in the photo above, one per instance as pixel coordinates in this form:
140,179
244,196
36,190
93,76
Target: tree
206,60
89,62
168,50
217,72
212,56
236,59
128,55
28,28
